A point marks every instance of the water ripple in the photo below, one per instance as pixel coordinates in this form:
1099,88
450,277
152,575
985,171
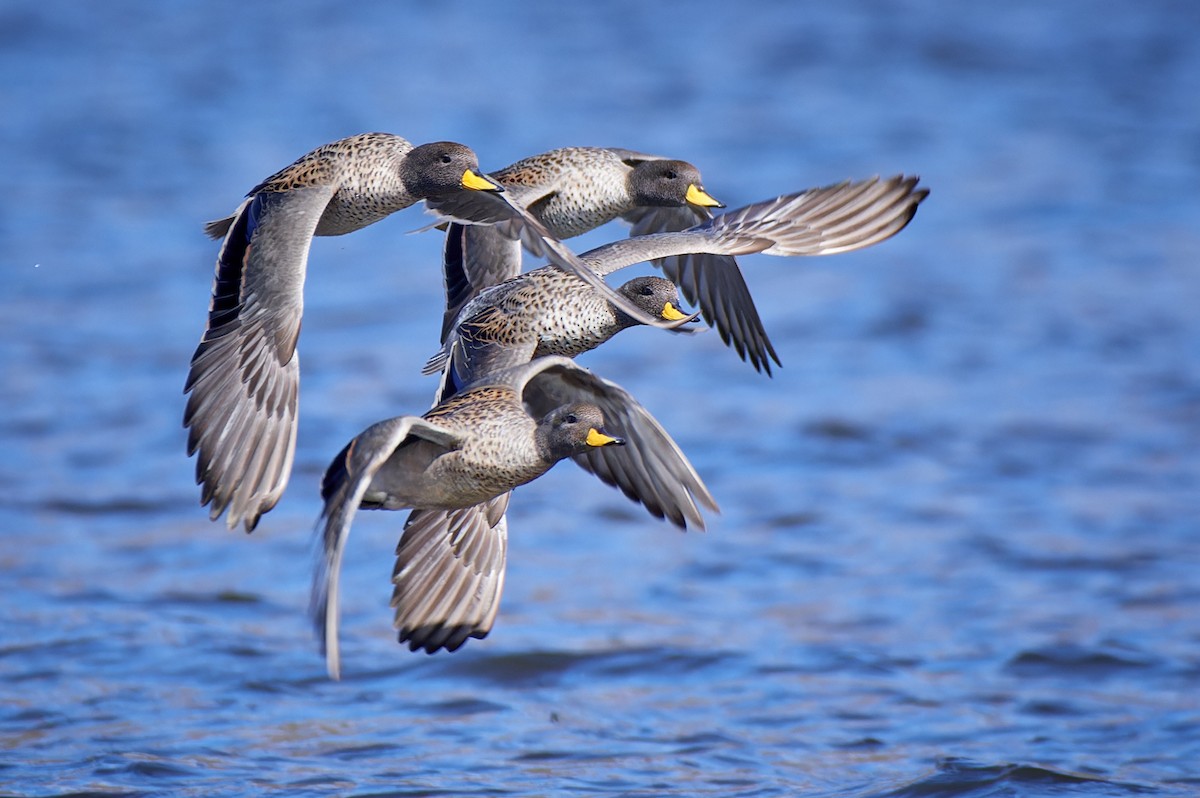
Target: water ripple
964,779
957,551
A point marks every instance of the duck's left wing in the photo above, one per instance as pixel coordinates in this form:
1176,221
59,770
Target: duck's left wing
449,575
346,483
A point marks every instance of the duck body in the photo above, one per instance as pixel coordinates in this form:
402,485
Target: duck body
499,452
541,312
243,384
572,190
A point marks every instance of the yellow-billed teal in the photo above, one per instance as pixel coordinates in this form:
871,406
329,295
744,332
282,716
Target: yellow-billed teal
570,190
244,379
541,312
544,311
460,460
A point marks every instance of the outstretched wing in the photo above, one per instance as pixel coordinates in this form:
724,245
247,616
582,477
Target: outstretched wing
449,575
819,221
829,220
513,220
650,468
244,377
346,483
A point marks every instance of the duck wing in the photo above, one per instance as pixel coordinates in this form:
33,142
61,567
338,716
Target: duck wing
650,469
449,575
244,378
345,485
696,253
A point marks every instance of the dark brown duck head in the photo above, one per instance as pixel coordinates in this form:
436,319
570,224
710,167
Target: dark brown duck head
442,168
657,296
669,184
573,429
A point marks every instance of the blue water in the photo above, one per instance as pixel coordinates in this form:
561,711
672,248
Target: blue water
958,549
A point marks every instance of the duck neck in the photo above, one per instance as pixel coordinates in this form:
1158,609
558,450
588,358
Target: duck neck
621,320
541,439
548,451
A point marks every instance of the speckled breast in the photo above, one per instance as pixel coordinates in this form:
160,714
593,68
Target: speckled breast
562,313
367,169
589,188
501,454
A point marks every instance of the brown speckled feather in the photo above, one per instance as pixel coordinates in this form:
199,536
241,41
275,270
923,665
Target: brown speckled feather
541,312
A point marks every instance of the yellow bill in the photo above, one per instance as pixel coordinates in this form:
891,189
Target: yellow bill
698,196
671,313
478,182
597,438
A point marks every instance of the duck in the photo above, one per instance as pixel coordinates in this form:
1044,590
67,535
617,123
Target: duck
457,465
570,190
544,311
475,258
541,312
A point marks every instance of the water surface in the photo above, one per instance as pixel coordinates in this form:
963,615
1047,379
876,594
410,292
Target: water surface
958,546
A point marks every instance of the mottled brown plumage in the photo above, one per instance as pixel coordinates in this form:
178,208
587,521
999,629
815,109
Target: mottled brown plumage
542,312
576,189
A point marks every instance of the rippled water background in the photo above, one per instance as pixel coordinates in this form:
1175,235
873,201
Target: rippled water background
958,552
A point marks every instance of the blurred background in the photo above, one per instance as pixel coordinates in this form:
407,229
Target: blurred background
957,552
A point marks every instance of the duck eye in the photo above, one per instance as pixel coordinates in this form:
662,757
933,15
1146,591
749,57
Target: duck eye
671,174
446,158
571,419
646,290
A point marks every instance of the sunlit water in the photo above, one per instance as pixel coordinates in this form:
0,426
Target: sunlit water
958,550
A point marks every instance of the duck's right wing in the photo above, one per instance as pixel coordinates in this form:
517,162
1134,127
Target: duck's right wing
650,469
817,221
828,220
